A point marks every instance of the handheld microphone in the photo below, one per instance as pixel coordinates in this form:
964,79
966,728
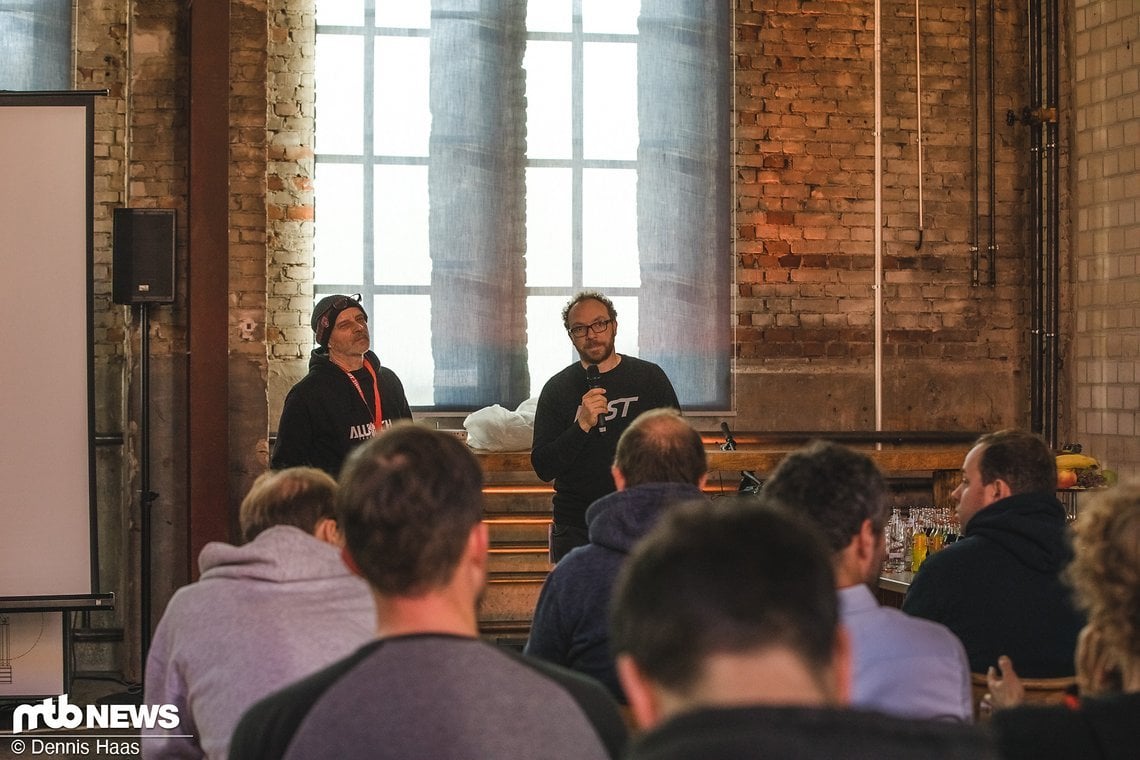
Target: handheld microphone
594,380
593,376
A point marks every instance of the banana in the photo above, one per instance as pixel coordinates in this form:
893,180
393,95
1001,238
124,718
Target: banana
1075,462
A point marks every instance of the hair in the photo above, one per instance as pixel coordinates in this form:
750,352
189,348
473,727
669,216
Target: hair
407,502
587,295
659,446
731,575
1023,460
1105,571
834,486
296,496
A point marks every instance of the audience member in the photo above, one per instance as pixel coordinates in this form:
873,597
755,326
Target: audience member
999,587
726,627
411,509
660,460
901,665
262,615
583,410
1105,573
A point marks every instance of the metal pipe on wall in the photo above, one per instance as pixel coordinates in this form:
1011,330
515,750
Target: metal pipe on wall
975,250
878,284
991,251
1037,284
1053,222
1041,115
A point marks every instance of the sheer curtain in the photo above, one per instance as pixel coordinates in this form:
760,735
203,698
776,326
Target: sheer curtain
35,45
618,180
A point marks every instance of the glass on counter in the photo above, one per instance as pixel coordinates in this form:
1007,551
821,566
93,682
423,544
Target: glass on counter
913,533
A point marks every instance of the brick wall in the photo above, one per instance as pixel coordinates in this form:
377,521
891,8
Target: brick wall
805,148
1105,123
292,49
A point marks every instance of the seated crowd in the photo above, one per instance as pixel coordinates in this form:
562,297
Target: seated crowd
347,624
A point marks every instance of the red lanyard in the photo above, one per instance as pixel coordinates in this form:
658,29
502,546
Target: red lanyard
375,392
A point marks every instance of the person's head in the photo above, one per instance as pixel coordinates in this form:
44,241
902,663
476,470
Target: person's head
409,500
659,446
1004,464
716,592
298,496
590,320
1105,572
340,323
843,493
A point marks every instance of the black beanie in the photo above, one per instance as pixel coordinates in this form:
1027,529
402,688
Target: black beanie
327,310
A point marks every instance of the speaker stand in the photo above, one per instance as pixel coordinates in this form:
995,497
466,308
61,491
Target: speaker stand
146,496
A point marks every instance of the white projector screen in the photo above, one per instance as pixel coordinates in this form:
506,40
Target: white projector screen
46,412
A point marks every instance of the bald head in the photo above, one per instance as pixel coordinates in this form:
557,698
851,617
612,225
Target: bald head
660,447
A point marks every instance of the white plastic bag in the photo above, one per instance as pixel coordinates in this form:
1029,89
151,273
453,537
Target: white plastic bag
494,428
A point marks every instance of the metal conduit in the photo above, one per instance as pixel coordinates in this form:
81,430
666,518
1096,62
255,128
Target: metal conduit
975,262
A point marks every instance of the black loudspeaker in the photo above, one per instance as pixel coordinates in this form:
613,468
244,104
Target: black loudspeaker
143,256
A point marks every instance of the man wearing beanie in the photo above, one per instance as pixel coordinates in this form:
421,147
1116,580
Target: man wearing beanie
346,397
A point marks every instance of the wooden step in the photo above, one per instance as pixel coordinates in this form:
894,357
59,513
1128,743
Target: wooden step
506,633
510,596
513,557
518,527
499,499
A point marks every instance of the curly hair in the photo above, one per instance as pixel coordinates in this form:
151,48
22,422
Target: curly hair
1105,571
587,295
836,487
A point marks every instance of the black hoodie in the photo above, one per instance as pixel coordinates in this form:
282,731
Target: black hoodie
999,588
324,416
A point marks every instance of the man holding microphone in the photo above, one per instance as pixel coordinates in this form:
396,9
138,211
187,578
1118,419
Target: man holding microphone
582,412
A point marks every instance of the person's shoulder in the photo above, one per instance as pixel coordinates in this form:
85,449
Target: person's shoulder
963,551
268,726
909,634
807,732
639,364
592,698
1041,732
320,372
578,571
567,377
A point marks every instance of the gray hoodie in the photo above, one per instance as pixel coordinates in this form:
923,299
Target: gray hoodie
261,616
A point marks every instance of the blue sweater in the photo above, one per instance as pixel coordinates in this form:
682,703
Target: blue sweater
570,626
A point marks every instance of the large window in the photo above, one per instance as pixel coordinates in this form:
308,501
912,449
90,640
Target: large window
479,162
35,45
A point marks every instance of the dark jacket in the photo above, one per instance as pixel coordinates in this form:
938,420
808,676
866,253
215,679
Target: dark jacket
570,620
999,588
1104,728
324,416
804,733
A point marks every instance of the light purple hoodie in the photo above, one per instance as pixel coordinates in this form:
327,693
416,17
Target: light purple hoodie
262,616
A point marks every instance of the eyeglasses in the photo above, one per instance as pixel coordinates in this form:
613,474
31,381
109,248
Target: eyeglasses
596,327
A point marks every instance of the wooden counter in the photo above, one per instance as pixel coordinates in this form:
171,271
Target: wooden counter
891,459
896,582
893,587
